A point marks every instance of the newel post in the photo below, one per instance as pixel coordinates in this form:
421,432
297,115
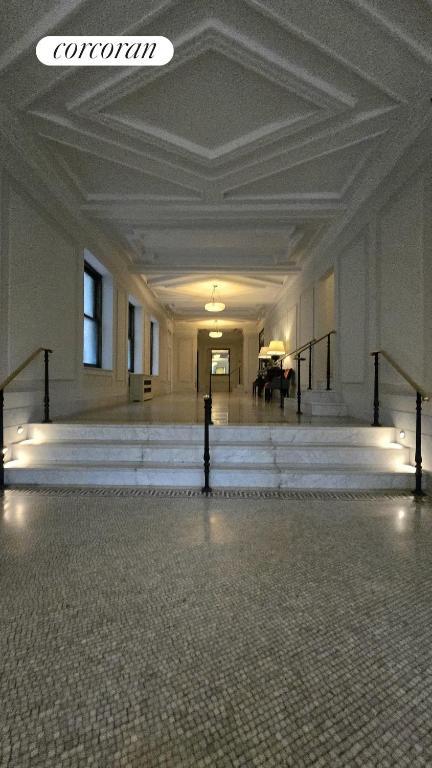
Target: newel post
376,421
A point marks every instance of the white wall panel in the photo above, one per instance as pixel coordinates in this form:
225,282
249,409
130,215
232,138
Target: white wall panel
42,289
352,305
306,322
401,278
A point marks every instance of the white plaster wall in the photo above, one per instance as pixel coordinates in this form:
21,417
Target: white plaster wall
185,357
352,307
41,267
281,324
250,359
382,268
400,260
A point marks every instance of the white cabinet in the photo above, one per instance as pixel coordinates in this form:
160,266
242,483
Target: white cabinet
140,387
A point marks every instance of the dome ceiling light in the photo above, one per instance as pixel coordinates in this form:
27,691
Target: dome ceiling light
213,305
216,333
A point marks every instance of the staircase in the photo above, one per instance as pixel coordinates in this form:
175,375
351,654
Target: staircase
318,402
258,456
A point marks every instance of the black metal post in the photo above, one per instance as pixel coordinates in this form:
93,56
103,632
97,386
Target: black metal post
328,362
211,397
299,362
207,420
418,452
310,367
47,419
281,385
2,483
376,421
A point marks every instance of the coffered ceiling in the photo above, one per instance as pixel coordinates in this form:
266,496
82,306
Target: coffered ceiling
274,120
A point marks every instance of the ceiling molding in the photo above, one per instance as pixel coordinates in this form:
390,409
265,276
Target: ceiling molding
250,154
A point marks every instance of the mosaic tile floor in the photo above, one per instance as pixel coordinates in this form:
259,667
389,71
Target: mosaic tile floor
191,632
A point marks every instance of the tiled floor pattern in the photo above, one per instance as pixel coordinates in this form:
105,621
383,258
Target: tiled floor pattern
223,493
189,409
194,632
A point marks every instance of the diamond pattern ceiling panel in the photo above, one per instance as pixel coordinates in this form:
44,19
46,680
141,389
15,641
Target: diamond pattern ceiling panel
227,97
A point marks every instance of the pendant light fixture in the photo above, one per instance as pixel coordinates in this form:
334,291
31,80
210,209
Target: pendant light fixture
215,333
213,305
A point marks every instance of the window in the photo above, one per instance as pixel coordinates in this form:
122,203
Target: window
92,317
220,362
131,338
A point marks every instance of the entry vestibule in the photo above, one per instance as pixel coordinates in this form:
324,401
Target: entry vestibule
222,359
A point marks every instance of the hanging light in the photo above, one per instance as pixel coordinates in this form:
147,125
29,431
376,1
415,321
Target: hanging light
213,305
215,333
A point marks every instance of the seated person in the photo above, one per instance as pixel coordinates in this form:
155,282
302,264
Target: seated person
258,384
275,382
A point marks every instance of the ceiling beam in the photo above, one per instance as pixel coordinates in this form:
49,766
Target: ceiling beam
144,268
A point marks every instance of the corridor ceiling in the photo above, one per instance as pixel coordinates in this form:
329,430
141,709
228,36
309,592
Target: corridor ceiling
268,130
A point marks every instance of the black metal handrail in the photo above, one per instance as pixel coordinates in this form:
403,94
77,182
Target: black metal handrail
421,396
300,359
296,354
3,386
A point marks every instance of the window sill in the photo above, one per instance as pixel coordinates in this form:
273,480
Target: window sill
89,369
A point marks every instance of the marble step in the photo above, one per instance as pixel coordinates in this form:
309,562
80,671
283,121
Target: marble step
191,476
160,453
320,477
319,403
279,434
317,408
28,453
114,474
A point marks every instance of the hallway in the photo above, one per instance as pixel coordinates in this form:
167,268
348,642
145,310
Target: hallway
189,409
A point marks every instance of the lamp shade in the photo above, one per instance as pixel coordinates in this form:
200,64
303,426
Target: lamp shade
264,353
276,347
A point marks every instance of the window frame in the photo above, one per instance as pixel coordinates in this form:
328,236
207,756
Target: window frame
97,318
131,336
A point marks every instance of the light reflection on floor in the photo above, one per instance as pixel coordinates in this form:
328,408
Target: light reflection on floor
156,631
189,409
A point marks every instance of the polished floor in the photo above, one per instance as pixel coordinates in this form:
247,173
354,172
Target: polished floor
190,632
189,409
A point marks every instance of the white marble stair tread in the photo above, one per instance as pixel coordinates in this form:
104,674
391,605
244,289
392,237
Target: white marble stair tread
348,468
88,441
340,468
105,465
109,475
